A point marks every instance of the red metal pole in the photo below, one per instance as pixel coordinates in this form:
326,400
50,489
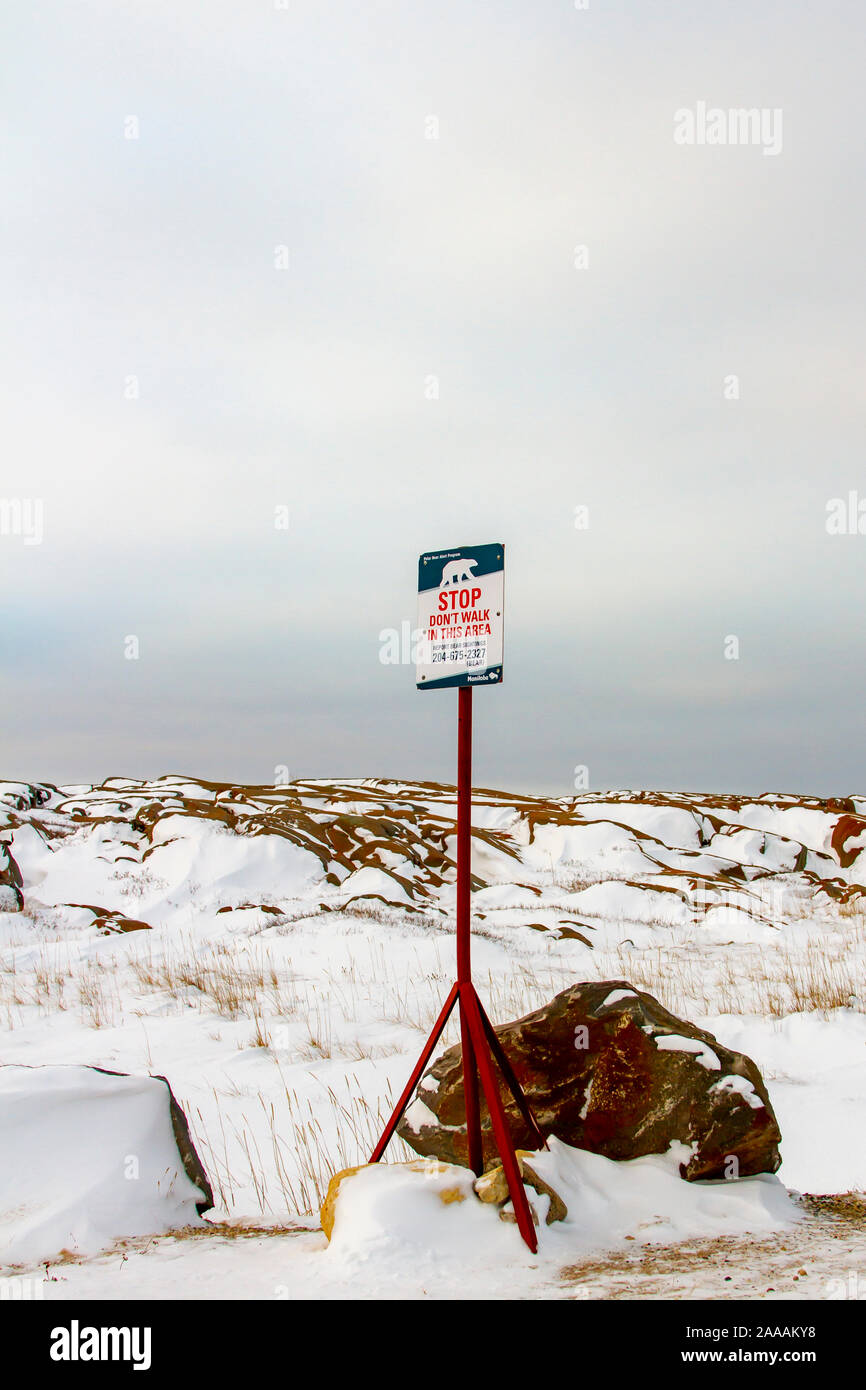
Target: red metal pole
464,829
416,1074
470,1091
499,1122
477,1033
500,1056
464,965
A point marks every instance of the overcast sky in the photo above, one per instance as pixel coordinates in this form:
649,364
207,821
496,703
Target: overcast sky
436,365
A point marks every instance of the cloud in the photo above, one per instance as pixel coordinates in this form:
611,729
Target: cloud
414,260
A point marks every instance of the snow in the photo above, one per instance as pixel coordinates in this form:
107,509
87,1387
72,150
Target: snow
418,1115
397,1216
741,1086
813,1068
628,902
369,882
392,1219
609,1201
674,1042
85,1158
288,1033
616,995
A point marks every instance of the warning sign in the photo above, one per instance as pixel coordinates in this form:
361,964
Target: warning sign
460,616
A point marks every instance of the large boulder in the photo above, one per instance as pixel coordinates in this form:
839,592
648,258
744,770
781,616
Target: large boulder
11,895
606,1068
88,1157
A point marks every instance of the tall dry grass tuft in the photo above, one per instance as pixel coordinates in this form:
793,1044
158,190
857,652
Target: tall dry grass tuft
307,1143
233,982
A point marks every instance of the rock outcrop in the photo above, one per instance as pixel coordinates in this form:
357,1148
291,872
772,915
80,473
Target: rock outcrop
693,860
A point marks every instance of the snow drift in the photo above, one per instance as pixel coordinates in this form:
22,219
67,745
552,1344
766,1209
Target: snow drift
86,1157
388,1215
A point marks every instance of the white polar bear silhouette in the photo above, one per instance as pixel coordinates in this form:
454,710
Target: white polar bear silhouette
456,571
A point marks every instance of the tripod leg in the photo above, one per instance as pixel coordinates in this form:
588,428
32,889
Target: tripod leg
511,1080
416,1074
470,1094
499,1122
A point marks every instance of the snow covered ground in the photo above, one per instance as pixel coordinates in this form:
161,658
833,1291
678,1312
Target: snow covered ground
279,953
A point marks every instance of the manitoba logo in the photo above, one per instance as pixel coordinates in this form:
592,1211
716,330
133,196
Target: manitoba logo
76,1343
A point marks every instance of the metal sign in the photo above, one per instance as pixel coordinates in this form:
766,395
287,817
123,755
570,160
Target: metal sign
460,616
460,595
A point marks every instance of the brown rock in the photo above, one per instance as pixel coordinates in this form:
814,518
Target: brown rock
11,895
604,1077
557,1210
847,828
492,1186
193,1165
328,1211
508,1213
116,923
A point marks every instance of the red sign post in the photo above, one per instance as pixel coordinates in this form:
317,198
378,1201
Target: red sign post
479,1042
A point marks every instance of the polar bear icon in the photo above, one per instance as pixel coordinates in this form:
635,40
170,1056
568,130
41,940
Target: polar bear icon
457,570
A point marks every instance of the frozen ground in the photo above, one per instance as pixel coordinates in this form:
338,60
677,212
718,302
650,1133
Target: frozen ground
298,944
823,1257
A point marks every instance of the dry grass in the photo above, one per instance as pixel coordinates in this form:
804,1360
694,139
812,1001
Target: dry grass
746,980
98,1004
228,980
334,1015
308,1141
282,1141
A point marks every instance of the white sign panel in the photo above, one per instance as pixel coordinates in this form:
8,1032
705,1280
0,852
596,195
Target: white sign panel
460,616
